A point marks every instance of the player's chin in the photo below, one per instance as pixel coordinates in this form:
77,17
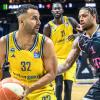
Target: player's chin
83,27
57,16
36,30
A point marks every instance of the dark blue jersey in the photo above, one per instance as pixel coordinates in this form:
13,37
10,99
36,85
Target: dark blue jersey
92,47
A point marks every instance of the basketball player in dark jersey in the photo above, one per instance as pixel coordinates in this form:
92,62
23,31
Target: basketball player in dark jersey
88,42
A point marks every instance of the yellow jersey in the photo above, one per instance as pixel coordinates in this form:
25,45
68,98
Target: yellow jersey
59,36
27,65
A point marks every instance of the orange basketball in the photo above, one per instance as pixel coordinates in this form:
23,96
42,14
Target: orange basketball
11,89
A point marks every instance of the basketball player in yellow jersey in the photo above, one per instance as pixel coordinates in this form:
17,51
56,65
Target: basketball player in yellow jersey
31,55
60,30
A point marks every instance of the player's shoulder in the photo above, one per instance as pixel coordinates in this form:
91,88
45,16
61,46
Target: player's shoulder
48,41
97,34
3,40
71,19
3,45
48,23
98,30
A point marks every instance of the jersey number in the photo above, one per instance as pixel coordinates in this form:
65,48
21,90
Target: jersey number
25,66
62,33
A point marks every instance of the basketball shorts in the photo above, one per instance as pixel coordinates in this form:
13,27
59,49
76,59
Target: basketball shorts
42,96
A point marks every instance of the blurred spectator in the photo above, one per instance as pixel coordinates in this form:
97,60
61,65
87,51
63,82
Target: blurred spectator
1,31
19,1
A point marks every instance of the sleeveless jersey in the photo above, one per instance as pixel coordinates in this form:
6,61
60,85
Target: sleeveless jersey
91,46
27,65
59,36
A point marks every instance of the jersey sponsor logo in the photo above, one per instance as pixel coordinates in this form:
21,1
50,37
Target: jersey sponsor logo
96,62
12,50
36,54
13,56
28,77
85,71
66,24
54,28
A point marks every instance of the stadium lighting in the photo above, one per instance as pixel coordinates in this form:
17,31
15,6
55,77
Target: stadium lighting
90,4
70,5
40,6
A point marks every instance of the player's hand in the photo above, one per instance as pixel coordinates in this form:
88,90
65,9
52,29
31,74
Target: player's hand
27,91
79,28
59,69
26,88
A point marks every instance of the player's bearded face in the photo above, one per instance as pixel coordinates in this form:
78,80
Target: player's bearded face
57,10
32,27
32,22
86,19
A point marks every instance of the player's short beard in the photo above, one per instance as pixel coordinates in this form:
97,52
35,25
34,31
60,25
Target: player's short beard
88,27
57,17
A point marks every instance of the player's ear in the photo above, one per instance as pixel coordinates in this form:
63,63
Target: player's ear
20,20
62,10
94,16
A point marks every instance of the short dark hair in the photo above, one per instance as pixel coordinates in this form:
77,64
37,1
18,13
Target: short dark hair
56,3
24,8
92,11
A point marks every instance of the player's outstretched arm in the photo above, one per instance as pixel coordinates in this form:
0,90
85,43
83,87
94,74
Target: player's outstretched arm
70,58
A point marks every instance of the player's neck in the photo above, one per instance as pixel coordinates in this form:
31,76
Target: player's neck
58,21
24,41
92,30
23,34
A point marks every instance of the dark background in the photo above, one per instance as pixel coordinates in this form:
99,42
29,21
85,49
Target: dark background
8,20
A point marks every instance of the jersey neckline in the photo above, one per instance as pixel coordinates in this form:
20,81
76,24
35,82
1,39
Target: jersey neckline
19,48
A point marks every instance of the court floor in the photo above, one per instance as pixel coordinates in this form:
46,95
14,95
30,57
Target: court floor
79,90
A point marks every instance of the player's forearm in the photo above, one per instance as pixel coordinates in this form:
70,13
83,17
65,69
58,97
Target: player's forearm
46,79
69,62
64,67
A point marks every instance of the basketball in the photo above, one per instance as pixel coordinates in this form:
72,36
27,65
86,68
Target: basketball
11,89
